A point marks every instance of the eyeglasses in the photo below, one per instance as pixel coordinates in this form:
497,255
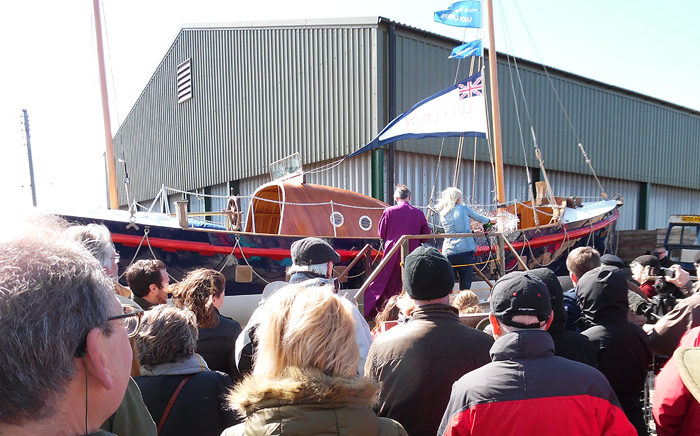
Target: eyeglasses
132,319
116,257
132,323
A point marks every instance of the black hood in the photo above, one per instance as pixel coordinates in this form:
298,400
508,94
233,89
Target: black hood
602,294
556,294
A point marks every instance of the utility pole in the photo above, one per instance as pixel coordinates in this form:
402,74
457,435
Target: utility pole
29,155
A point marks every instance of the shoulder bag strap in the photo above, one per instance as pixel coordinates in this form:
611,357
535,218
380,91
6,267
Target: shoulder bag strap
172,400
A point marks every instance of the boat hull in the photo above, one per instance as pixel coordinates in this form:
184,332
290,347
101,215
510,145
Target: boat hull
183,250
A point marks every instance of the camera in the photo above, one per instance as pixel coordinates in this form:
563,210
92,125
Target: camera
664,300
668,272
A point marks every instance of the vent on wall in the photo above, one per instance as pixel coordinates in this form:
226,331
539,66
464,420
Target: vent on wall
184,81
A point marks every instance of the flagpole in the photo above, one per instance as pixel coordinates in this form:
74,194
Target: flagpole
495,109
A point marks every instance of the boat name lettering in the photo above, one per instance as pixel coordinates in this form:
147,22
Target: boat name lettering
424,118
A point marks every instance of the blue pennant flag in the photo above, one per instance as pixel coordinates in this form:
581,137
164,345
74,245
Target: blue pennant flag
471,48
461,14
459,110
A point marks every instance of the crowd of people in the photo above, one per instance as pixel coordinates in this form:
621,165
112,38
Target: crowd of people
84,355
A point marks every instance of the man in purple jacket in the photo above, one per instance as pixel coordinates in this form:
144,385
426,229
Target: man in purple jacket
396,221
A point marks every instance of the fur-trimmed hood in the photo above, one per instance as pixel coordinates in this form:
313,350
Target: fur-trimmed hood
302,386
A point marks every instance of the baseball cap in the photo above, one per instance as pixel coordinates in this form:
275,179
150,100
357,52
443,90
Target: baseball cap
520,293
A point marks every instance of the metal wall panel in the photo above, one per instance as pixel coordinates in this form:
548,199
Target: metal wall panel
665,201
354,174
578,185
219,203
420,171
314,93
172,201
197,203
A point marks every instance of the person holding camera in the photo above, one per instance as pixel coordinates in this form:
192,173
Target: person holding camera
667,332
654,279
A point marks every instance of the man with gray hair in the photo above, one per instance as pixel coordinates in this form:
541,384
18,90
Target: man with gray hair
396,221
66,357
98,241
526,389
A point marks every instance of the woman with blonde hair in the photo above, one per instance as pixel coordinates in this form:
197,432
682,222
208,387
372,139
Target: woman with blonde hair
305,379
202,293
455,218
466,302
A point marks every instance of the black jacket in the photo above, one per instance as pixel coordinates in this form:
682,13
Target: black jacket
568,344
624,351
200,408
218,345
417,362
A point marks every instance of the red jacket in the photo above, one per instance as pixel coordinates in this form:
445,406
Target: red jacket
526,390
675,410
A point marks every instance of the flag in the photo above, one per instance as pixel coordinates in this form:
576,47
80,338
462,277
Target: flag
461,14
471,48
459,110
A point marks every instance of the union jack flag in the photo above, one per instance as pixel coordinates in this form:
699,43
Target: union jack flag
471,89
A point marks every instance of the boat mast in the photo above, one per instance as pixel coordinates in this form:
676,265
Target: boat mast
29,155
111,165
495,110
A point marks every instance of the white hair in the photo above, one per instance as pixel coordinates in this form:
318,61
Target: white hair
522,319
641,273
317,268
97,239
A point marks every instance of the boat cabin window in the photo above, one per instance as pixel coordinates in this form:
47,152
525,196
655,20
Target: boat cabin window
365,223
337,219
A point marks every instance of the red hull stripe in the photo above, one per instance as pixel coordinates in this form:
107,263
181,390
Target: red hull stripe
209,249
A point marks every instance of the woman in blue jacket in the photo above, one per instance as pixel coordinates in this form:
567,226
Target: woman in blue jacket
455,218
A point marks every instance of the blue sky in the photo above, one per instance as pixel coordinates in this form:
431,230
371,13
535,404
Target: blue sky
49,65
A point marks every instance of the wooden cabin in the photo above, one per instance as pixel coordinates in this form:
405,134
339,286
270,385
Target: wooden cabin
295,208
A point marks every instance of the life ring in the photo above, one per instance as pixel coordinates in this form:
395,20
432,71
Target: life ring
233,213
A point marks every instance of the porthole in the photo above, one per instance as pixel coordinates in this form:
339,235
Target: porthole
365,223
337,219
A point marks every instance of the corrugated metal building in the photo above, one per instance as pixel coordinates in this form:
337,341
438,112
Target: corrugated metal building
227,100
